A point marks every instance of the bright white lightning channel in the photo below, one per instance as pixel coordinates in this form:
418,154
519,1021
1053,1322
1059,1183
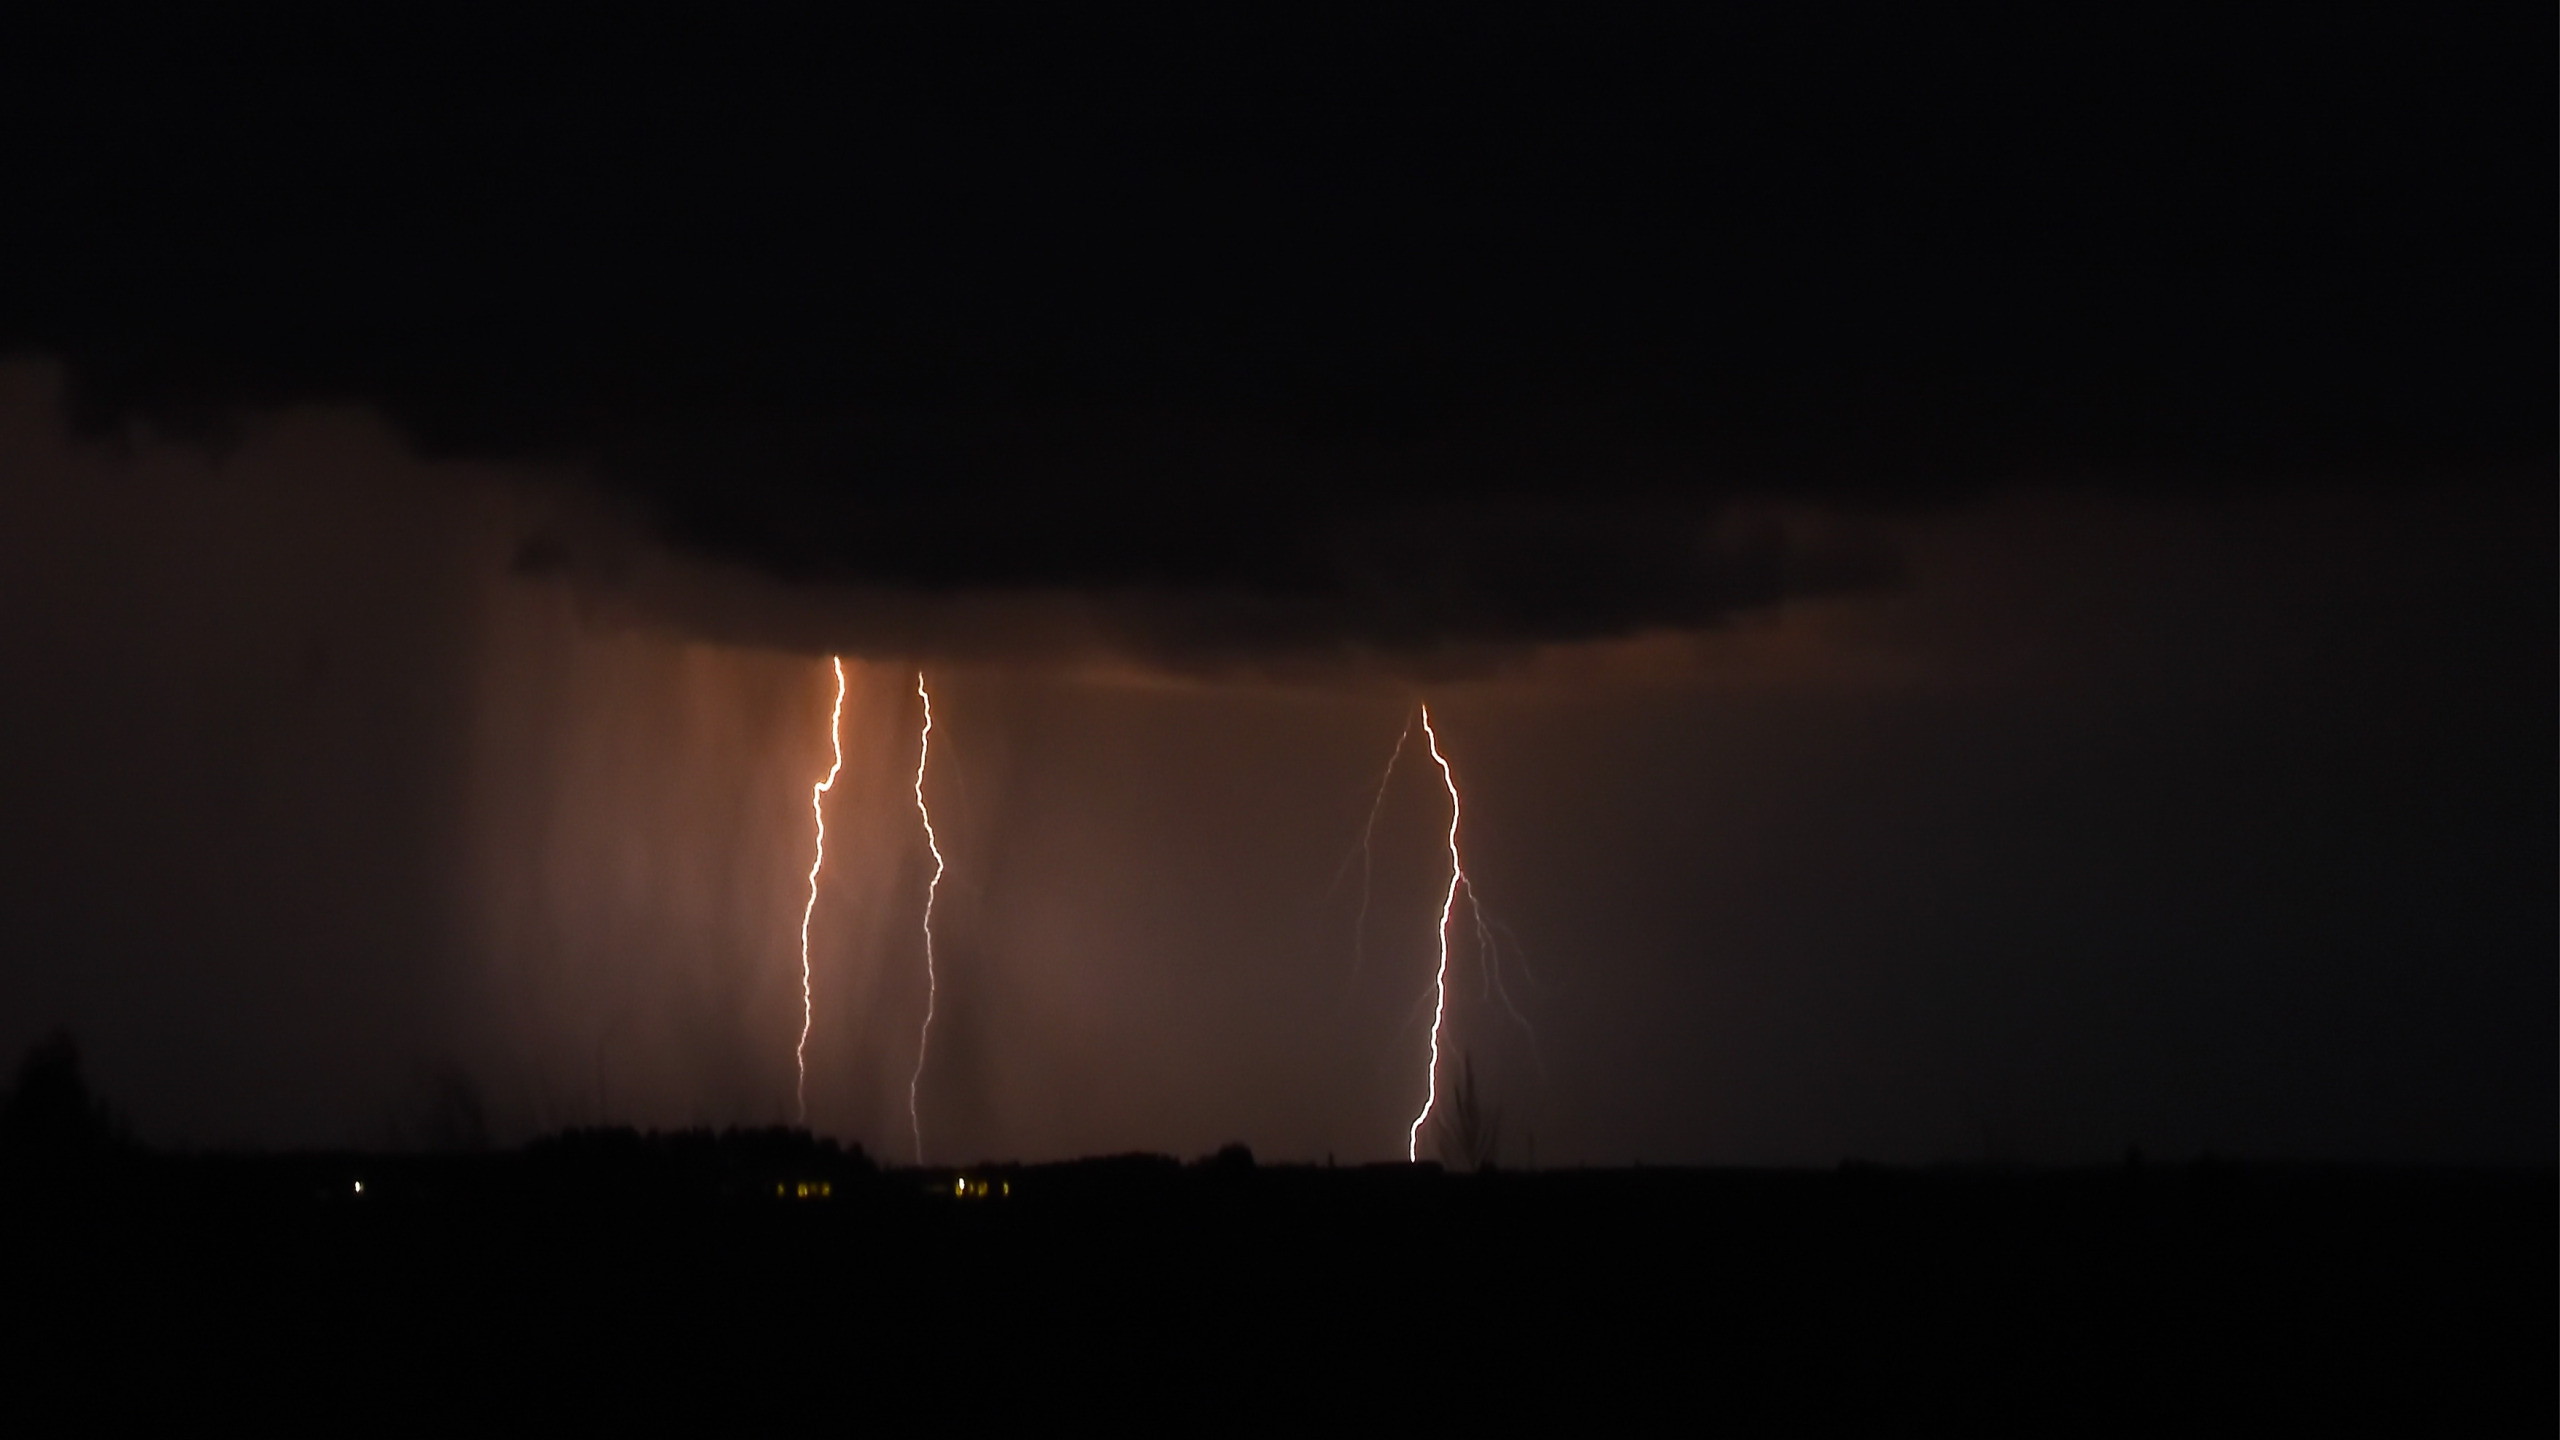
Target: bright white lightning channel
1440,979
818,812
924,1035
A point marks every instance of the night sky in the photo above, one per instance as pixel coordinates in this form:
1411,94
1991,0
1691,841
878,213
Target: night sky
1988,578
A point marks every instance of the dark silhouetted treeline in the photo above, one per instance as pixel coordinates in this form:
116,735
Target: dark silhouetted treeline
747,1277
49,1120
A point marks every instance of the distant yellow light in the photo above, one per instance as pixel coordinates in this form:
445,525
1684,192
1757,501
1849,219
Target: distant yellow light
960,1186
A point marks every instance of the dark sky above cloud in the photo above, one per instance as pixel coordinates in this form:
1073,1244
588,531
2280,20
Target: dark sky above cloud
1256,304
1988,574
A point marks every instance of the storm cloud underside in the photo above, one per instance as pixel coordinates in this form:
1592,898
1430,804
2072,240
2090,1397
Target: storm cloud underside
1989,576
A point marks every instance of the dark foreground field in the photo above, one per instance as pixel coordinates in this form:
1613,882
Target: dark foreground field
752,1279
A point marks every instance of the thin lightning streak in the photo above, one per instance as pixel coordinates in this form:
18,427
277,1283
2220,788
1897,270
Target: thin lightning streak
1488,958
818,812
1360,927
1492,954
1448,905
924,1036
1353,850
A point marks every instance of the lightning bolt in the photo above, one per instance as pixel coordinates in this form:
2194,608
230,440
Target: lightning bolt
924,1036
818,812
1448,907
1368,832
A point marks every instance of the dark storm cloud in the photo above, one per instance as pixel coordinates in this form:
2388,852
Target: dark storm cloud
1393,329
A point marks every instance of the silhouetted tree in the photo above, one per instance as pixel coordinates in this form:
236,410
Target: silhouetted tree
1470,1128
455,1119
49,1114
445,1114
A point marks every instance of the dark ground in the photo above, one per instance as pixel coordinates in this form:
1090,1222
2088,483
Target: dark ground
608,1274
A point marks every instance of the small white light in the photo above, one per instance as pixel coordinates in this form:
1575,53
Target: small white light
359,1187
